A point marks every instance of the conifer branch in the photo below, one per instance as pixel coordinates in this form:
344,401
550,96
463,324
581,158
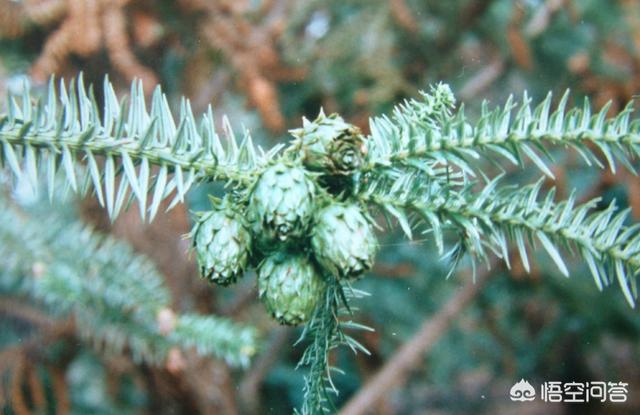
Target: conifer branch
326,332
428,130
486,221
417,167
123,141
114,295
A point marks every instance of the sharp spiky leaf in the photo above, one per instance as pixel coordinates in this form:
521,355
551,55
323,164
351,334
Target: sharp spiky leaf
487,220
416,133
125,141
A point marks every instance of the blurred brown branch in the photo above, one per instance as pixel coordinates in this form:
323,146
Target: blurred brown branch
250,47
18,309
542,17
482,79
20,364
395,371
85,26
403,15
249,389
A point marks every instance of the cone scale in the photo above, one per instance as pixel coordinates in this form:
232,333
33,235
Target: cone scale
290,287
222,241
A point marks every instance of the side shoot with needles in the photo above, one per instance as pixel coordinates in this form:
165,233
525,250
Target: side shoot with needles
302,213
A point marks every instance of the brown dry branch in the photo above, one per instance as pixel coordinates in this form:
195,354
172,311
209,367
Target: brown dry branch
403,15
175,362
542,17
55,51
519,46
18,402
249,389
60,390
44,12
84,28
13,19
250,48
519,34
264,96
147,29
16,17
394,373
120,53
10,306
21,362
36,388
482,79
520,50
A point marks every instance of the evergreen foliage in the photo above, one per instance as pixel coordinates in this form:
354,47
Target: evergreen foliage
326,331
419,132
420,170
115,296
52,135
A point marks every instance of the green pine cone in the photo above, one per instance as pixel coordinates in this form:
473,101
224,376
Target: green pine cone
223,243
281,204
330,145
290,287
343,240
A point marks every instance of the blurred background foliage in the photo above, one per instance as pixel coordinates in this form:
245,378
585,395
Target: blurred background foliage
268,63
